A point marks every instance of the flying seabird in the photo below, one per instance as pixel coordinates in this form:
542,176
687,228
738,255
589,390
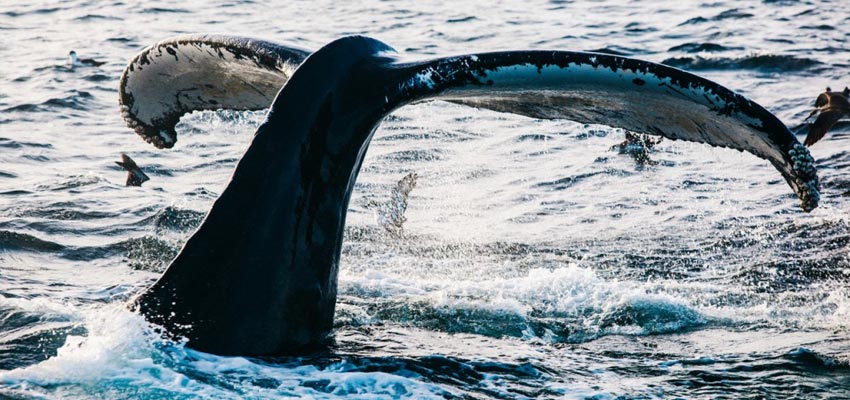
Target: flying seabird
135,176
831,107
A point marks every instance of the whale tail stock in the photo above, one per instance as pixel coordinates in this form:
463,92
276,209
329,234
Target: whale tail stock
259,277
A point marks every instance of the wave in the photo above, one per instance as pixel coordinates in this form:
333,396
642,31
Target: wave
95,17
15,192
148,253
71,182
533,137
431,135
614,51
565,305
21,241
405,156
814,359
569,181
819,27
48,10
705,47
48,212
98,77
75,100
174,219
14,144
765,62
121,39
31,331
820,258
461,19
162,10
145,253
728,14
120,356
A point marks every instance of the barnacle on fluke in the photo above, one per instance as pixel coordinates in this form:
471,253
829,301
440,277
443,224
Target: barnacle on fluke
271,242
807,178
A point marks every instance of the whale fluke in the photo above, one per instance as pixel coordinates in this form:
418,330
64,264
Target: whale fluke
259,276
200,72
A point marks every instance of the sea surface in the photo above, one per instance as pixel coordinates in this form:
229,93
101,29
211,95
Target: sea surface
535,262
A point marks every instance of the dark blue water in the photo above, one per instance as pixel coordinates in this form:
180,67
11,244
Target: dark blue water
535,262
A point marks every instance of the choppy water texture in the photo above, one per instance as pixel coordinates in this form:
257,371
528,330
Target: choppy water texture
534,262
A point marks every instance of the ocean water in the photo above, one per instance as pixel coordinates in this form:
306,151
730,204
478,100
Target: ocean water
535,262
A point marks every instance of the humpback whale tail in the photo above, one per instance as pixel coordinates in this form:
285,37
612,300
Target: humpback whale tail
259,276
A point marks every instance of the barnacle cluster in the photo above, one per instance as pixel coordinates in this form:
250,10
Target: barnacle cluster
165,139
806,178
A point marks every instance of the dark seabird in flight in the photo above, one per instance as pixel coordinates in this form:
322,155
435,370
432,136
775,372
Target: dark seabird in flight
135,176
830,107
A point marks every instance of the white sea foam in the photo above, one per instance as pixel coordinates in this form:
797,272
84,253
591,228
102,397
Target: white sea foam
121,356
572,294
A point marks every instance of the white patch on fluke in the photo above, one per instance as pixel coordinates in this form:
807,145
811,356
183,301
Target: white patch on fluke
424,78
167,137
